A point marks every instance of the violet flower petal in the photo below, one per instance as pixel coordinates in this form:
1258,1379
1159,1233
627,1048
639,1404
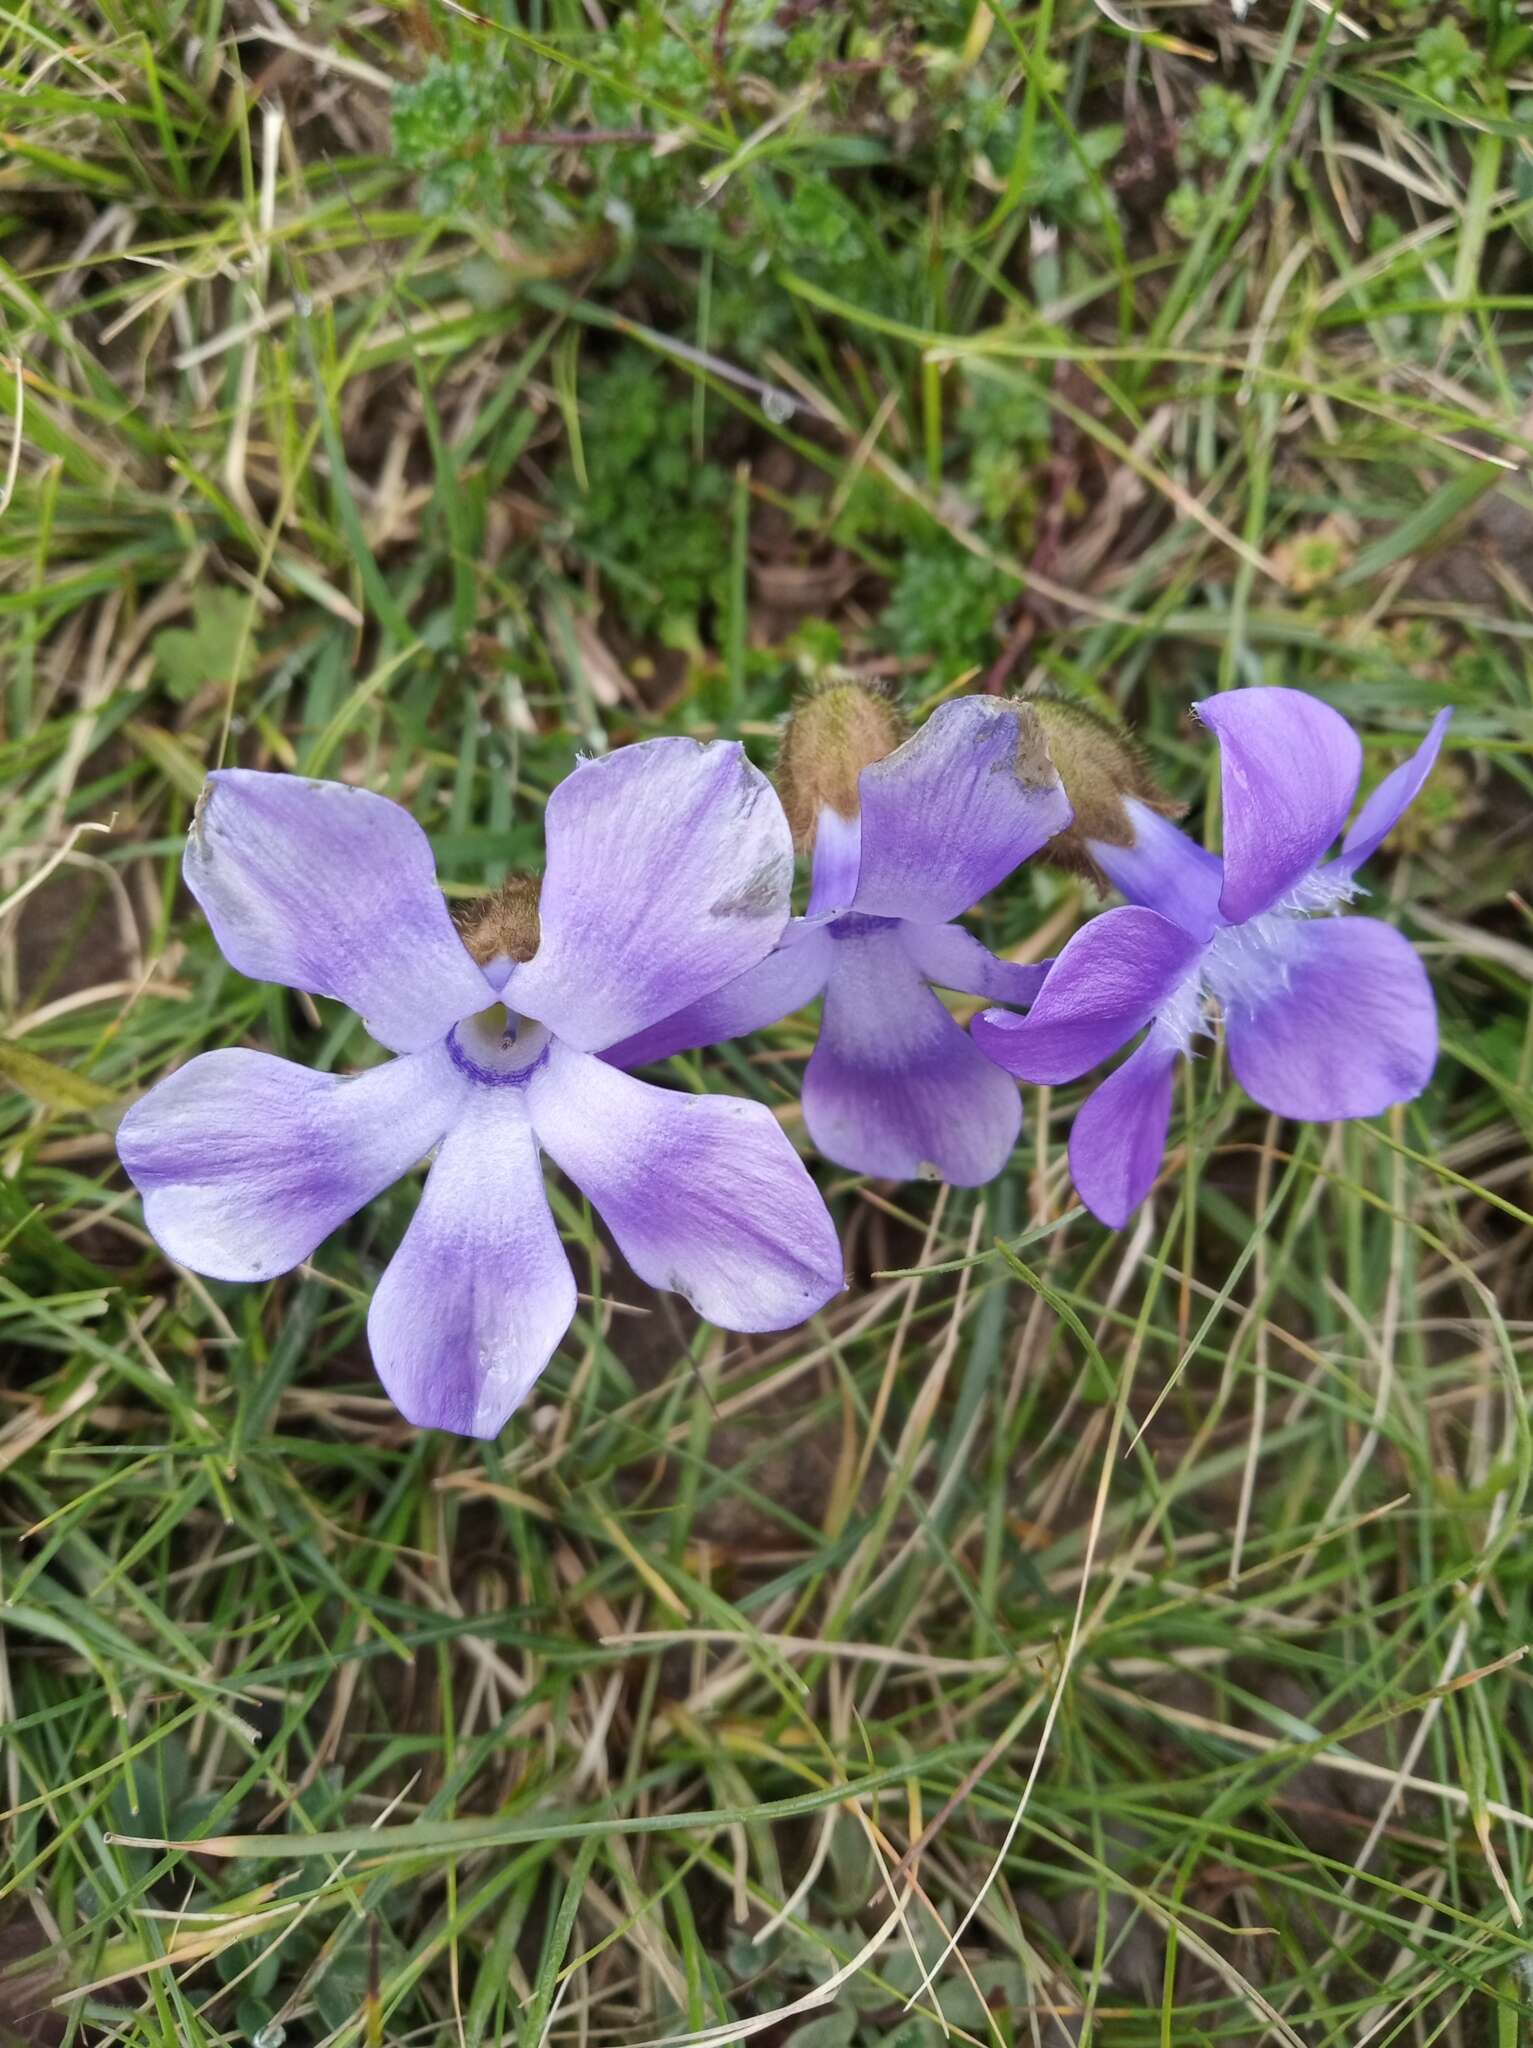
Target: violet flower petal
894,1087
788,978
951,957
1107,984
332,889
668,873
1350,1031
836,863
1393,797
1164,870
1290,766
246,1162
952,811
1119,1134
474,1302
703,1193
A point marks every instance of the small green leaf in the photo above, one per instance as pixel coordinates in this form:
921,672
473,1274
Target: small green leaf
217,647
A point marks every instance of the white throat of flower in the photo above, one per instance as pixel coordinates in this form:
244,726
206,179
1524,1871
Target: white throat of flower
497,1048
1244,965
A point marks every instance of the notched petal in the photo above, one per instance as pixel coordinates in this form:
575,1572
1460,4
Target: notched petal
329,888
703,1193
669,870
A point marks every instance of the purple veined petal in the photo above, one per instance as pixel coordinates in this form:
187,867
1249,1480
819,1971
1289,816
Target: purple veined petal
1289,769
1119,1134
474,1302
669,869
788,978
246,1162
953,810
1164,870
894,1087
1349,1030
950,957
704,1194
1109,981
332,889
1393,797
836,862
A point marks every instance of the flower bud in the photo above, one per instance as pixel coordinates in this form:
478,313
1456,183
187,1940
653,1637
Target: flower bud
834,733
1101,768
503,926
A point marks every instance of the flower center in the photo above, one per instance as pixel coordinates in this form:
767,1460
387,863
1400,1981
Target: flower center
1180,1017
1327,888
497,1048
1247,964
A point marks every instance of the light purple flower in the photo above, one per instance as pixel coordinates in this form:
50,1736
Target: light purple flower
895,1087
1325,1017
668,872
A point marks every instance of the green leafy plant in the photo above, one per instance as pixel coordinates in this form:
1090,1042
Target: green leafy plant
651,518
217,647
1446,64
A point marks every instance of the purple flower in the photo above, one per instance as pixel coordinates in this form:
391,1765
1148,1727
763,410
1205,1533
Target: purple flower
894,1086
1325,1017
668,871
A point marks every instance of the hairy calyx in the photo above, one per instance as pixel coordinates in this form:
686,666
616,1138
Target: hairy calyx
503,926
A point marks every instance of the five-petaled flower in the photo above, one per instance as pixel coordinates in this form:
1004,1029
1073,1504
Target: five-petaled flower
895,1087
669,865
1324,1017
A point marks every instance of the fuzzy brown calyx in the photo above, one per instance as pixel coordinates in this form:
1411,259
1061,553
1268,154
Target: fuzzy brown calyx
835,732
1099,766
503,926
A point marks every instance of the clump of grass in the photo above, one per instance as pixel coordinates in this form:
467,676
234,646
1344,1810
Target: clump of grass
1072,1637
